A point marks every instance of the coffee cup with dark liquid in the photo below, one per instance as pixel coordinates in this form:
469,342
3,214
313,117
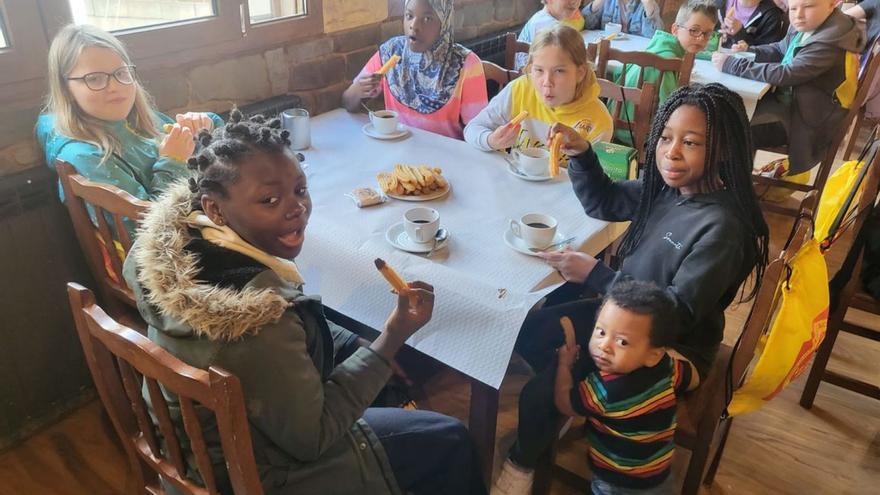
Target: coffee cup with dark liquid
421,224
384,121
535,229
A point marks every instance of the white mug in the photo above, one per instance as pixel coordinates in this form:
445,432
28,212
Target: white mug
421,224
532,161
535,229
296,121
384,121
613,27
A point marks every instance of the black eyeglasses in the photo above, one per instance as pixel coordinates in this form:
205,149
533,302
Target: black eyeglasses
96,81
696,33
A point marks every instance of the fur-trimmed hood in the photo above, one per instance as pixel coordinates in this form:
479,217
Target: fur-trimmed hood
168,275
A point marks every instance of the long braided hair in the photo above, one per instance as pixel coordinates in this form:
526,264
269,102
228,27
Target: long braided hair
222,151
729,156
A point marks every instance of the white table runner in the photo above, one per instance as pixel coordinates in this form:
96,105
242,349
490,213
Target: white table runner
473,329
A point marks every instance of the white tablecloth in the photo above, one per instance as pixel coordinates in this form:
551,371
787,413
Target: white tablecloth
704,72
473,329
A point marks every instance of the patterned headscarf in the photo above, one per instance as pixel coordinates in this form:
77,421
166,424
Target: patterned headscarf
426,81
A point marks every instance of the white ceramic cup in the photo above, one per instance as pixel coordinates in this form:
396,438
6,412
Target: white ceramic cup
296,121
535,229
532,161
613,27
384,121
421,224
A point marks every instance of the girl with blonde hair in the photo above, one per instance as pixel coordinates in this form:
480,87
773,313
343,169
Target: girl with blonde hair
100,119
558,86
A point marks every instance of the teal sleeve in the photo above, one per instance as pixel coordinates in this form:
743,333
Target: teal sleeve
86,159
166,171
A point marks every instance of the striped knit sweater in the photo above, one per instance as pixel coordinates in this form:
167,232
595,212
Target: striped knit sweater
631,421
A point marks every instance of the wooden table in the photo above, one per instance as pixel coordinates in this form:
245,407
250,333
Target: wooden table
483,288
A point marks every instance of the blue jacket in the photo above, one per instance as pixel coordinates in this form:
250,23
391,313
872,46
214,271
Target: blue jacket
139,170
639,24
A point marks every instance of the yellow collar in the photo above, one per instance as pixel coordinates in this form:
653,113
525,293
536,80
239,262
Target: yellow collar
225,237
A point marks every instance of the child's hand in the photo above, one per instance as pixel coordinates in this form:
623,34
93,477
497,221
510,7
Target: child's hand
177,144
195,121
731,26
567,355
739,46
718,59
368,85
573,143
504,137
572,265
415,306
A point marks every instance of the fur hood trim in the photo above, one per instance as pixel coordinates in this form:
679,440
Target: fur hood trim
168,272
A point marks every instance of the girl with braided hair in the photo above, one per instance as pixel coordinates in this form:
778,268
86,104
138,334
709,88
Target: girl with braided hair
215,280
696,231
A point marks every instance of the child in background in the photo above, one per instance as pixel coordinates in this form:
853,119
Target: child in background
815,70
214,274
693,28
437,85
558,85
626,388
754,22
100,119
554,12
641,17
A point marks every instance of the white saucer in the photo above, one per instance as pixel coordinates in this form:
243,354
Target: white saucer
524,176
369,130
396,236
517,244
620,36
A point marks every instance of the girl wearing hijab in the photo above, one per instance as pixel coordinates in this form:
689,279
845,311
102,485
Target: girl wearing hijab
437,85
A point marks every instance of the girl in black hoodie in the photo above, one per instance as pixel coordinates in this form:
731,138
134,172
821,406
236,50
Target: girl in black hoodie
696,229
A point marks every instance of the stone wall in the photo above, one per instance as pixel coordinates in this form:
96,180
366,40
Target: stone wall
318,69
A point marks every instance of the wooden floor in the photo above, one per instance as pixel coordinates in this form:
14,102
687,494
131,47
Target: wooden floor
834,448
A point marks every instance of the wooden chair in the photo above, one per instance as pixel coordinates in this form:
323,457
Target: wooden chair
865,82
511,48
851,296
99,242
120,360
700,414
592,53
497,75
682,67
643,105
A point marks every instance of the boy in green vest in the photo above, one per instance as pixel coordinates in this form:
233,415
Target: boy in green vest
692,32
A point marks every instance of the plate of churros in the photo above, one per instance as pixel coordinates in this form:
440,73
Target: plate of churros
414,183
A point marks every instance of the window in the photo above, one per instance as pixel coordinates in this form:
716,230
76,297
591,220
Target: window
116,15
3,43
269,10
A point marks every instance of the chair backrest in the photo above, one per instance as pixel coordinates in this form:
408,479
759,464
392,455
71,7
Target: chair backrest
682,67
592,53
643,105
764,307
498,74
511,48
121,360
866,81
99,242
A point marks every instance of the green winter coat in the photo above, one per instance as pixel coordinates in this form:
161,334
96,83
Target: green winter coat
665,45
213,307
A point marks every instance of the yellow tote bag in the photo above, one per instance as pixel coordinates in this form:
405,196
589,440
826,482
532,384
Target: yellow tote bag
795,334
837,188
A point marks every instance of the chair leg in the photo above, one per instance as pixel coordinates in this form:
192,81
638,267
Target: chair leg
819,364
854,134
696,466
716,459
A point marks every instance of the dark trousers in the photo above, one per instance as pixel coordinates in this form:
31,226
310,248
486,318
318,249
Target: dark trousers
538,340
430,453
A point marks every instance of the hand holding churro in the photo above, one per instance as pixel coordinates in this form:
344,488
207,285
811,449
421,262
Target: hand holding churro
388,65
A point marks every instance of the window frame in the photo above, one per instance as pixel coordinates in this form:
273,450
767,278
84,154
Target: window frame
24,57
